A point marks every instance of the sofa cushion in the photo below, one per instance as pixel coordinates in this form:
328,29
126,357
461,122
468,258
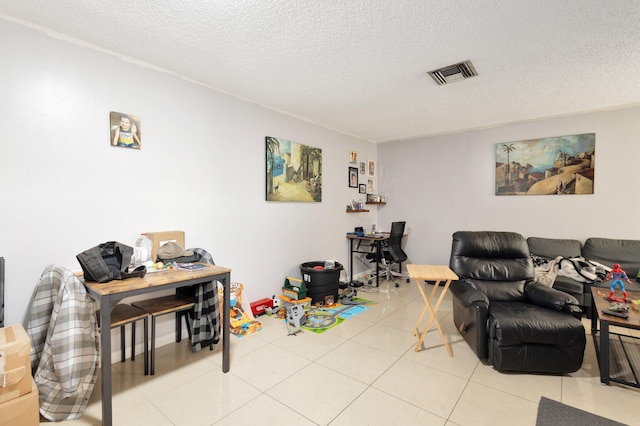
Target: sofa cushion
609,251
551,248
511,324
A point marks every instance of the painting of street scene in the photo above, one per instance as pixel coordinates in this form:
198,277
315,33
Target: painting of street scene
550,166
294,171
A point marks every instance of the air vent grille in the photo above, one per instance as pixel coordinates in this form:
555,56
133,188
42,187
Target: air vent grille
453,73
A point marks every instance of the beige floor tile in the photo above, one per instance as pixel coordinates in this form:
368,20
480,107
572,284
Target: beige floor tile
527,386
375,407
462,364
267,366
310,345
205,399
264,411
388,339
422,386
481,405
317,392
615,402
358,361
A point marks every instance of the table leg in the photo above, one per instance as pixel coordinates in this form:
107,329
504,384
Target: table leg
378,245
226,281
416,330
351,259
105,349
604,352
432,314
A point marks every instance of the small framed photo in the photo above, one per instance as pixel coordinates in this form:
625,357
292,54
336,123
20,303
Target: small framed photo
124,130
363,168
371,186
353,157
362,188
372,168
353,177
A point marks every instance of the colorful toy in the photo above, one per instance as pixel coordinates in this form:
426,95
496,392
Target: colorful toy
617,275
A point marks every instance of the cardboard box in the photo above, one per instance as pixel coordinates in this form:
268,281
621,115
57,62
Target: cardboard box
159,238
24,410
15,362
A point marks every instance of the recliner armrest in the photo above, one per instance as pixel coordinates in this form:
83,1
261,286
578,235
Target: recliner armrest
547,297
573,310
467,294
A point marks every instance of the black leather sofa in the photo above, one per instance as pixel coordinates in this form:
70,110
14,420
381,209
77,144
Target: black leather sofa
509,320
606,251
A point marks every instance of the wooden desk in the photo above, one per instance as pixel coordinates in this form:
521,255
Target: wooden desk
438,274
108,294
377,243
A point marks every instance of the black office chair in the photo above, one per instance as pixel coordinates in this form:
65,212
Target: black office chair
391,255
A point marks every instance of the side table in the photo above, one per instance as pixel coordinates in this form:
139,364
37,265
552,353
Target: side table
618,354
437,273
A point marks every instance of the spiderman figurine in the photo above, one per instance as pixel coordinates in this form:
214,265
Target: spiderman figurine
617,275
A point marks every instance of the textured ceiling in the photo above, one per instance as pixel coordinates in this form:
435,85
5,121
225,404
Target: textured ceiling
360,66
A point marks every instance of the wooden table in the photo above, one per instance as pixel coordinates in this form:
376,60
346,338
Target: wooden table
618,354
437,273
109,294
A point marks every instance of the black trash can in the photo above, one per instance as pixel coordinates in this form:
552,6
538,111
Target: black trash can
321,282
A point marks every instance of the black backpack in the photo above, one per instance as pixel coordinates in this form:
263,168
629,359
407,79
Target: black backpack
108,261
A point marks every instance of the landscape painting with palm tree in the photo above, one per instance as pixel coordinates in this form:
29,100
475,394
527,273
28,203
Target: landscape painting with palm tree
294,171
549,166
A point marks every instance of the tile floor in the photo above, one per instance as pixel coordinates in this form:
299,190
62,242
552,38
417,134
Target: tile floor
363,372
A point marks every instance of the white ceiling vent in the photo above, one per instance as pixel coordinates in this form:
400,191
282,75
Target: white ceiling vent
453,73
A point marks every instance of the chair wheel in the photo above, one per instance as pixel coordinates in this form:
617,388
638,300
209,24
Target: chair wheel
408,280
370,281
397,285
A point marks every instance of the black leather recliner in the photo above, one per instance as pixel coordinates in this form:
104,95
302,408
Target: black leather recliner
509,320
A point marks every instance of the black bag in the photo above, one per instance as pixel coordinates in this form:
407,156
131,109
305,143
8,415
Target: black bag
108,261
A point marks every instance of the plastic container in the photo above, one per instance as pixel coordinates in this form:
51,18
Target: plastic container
142,251
321,282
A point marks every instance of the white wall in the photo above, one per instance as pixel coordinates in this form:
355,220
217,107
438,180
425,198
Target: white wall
443,184
201,169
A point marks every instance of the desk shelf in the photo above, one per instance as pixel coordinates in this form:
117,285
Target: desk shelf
376,202
357,211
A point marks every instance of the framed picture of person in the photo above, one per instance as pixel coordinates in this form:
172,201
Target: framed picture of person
125,130
362,188
353,157
372,168
353,177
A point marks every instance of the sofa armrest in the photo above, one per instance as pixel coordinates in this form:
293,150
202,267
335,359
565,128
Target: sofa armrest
467,294
470,313
548,297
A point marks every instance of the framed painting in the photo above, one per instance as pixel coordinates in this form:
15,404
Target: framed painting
353,157
293,171
362,188
549,166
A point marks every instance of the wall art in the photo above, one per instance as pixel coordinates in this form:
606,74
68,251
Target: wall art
548,166
353,177
353,157
125,130
372,168
293,171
